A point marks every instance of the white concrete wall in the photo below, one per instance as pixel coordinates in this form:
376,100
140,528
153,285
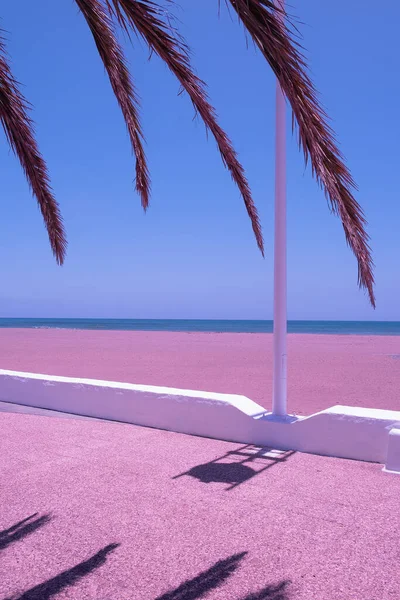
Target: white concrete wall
349,432
341,431
393,457
186,411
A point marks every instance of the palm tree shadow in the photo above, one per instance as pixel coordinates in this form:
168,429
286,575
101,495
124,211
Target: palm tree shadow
44,591
271,592
206,581
237,471
22,529
202,584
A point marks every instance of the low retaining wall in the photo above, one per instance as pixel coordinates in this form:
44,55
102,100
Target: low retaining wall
341,431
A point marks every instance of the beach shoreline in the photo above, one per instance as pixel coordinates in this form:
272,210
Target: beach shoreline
323,370
368,328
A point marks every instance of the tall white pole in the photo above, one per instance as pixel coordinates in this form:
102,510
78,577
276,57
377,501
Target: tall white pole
279,401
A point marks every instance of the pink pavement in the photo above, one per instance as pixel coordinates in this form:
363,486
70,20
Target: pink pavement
323,370
94,510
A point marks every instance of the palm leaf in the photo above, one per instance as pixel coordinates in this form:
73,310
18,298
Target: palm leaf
145,17
20,134
266,25
114,62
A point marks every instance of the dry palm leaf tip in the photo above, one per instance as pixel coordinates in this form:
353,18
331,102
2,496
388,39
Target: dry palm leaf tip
274,35
20,135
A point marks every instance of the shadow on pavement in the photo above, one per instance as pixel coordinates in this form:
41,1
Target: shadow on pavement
22,409
237,470
52,587
200,586
271,592
22,529
206,581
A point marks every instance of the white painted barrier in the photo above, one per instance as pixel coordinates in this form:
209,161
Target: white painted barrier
341,431
393,457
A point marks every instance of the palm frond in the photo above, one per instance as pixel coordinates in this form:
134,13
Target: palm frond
112,55
271,32
146,18
20,134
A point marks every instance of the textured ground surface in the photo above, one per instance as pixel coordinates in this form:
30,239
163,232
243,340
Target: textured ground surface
94,510
323,370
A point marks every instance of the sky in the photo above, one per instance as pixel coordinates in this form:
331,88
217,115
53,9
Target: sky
193,255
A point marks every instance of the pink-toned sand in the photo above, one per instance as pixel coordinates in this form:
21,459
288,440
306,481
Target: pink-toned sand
323,370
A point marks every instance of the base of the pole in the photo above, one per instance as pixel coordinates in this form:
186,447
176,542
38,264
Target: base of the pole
281,418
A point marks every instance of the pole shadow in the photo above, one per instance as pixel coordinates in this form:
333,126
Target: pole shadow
237,470
22,529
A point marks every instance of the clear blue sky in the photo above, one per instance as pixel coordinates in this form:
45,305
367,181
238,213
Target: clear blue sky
193,255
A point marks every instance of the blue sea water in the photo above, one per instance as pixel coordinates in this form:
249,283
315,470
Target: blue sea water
218,326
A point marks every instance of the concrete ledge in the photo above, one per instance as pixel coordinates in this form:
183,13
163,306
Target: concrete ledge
341,431
393,456
349,432
220,416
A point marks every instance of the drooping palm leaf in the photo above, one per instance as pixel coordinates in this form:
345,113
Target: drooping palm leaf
146,18
268,27
114,62
19,131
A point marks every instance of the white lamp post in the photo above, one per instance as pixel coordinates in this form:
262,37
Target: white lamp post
279,401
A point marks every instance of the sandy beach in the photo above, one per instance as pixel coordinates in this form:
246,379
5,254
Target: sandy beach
323,370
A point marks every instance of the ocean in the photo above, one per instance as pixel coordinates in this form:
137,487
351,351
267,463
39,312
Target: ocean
211,326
